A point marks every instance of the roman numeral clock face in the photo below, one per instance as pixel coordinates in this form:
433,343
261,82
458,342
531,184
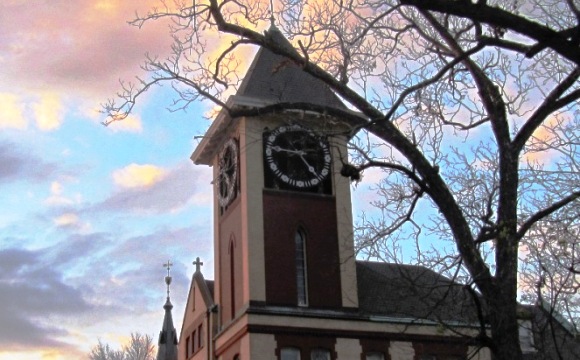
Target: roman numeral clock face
297,156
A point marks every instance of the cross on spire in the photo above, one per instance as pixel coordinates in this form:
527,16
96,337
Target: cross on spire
197,264
168,265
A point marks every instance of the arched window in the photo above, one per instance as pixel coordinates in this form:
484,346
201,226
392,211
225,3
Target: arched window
300,259
290,353
231,251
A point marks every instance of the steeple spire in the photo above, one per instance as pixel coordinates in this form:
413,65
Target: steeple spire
168,265
272,21
167,345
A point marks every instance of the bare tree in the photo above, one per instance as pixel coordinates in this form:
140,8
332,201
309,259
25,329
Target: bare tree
470,110
140,347
104,352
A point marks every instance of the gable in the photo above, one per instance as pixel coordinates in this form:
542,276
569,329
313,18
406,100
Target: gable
199,301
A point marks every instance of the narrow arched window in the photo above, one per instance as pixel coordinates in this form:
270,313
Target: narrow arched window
232,277
300,259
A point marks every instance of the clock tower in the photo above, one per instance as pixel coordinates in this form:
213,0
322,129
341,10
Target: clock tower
287,285
282,212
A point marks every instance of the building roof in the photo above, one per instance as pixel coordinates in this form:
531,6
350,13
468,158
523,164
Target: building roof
276,79
206,289
210,287
413,293
553,337
270,79
167,345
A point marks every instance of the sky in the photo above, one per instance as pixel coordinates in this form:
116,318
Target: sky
88,213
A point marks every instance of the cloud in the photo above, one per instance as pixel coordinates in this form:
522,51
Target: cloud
132,123
138,260
540,150
70,220
138,176
66,220
57,198
18,165
86,286
11,112
169,192
48,112
122,276
30,291
85,45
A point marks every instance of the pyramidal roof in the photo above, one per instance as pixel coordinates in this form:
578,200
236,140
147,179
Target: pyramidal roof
270,79
274,79
167,344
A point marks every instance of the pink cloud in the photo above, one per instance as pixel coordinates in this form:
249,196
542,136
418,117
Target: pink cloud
171,191
77,47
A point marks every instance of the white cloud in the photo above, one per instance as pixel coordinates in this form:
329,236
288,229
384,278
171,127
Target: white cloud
11,112
131,124
150,189
138,176
56,188
66,220
56,198
48,112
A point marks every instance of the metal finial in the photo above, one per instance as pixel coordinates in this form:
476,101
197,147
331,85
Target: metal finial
168,265
272,21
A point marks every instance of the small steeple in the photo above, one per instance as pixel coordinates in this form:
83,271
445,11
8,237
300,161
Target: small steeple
272,21
167,345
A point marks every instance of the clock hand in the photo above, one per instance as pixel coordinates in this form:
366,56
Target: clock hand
310,168
297,152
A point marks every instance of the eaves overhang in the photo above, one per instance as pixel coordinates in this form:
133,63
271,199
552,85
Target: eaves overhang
220,128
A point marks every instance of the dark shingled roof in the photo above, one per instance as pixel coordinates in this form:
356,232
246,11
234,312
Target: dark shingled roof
275,78
553,339
167,344
412,292
210,287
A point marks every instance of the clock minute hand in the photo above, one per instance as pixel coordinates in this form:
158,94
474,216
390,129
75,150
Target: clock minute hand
297,152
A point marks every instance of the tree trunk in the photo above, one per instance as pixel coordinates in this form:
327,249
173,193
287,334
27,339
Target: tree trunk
504,328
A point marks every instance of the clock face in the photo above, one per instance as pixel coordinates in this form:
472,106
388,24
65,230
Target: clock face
228,173
297,157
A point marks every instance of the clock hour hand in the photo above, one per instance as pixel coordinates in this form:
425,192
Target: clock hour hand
310,168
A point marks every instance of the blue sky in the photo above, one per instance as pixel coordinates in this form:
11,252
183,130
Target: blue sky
89,213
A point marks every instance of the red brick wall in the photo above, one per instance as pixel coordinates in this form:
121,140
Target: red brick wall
284,213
